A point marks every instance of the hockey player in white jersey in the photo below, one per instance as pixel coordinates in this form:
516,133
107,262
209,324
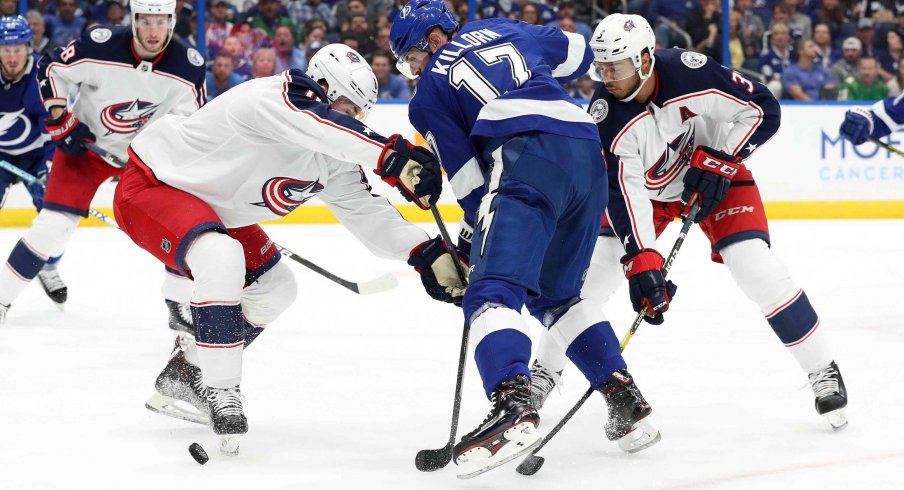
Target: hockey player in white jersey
196,187
126,79
678,126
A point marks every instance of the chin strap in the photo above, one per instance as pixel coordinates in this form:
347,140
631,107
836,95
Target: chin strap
643,80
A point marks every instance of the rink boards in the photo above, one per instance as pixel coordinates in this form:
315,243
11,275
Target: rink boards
805,172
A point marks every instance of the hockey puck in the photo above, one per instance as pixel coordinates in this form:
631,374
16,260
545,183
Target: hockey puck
198,453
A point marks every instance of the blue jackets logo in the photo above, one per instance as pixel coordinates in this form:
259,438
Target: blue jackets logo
127,117
669,165
282,194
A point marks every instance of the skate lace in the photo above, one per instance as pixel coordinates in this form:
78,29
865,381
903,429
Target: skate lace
51,280
543,380
825,382
226,401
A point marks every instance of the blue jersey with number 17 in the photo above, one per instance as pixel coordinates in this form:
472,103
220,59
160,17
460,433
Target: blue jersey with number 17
497,78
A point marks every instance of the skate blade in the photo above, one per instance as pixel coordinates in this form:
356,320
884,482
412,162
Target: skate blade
642,436
837,419
521,439
171,407
229,444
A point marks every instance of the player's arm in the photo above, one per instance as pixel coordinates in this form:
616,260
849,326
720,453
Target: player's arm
191,98
57,71
297,117
876,121
380,227
567,53
34,106
630,213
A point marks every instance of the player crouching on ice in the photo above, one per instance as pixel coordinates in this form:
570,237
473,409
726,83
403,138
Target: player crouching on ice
677,125
525,162
196,187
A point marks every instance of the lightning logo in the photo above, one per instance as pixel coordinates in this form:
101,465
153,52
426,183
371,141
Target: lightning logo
486,213
14,128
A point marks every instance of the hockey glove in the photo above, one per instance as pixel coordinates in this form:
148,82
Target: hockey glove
709,177
412,170
649,290
68,133
434,263
857,126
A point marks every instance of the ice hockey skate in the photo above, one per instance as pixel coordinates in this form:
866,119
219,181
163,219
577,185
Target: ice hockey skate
180,317
181,393
831,395
54,286
542,382
628,412
4,309
227,417
509,431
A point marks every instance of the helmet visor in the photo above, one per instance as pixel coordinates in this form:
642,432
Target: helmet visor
411,63
613,71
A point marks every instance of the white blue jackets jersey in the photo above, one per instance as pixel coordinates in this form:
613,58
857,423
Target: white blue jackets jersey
497,78
22,131
267,146
118,93
648,148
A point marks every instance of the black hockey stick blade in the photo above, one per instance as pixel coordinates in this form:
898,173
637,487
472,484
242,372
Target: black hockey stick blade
433,459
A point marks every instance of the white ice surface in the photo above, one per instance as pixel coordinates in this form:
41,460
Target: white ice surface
344,390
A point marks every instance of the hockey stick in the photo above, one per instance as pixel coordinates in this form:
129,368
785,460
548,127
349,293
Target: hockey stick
434,459
532,463
887,147
377,285
31,179
104,154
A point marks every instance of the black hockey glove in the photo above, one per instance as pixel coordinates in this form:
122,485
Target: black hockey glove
648,288
414,171
68,133
465,235
434,263
709,178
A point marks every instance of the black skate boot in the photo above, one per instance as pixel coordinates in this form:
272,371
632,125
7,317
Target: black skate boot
831,396
627,413
180,317
542,382
227,417
509,431
181,393
54,286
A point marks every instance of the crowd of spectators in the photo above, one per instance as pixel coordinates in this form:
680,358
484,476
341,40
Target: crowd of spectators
820,49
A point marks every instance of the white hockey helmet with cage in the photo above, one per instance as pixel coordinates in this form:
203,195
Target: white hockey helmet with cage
346,73
154,7
618,43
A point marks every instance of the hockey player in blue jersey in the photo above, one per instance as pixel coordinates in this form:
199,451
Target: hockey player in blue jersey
23,136
876,121
677,126
525,163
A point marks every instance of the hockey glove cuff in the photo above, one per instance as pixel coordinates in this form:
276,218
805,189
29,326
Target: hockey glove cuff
434,263
649,290
68,133
414,171
465,235
709,178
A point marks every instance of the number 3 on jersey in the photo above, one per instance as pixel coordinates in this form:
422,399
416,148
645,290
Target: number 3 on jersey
464,74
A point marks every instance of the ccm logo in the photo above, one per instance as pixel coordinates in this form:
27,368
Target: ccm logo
733,211
719,166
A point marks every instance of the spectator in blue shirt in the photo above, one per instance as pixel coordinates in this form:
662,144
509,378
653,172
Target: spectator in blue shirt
806,80
825,55
567,11
221,77
65,26
287,54
391,86
776,58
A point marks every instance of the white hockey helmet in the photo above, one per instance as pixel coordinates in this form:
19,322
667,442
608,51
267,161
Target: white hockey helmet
346,73
156,7
617,43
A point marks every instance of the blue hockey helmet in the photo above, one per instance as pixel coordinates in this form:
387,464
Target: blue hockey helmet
414,22
14,30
